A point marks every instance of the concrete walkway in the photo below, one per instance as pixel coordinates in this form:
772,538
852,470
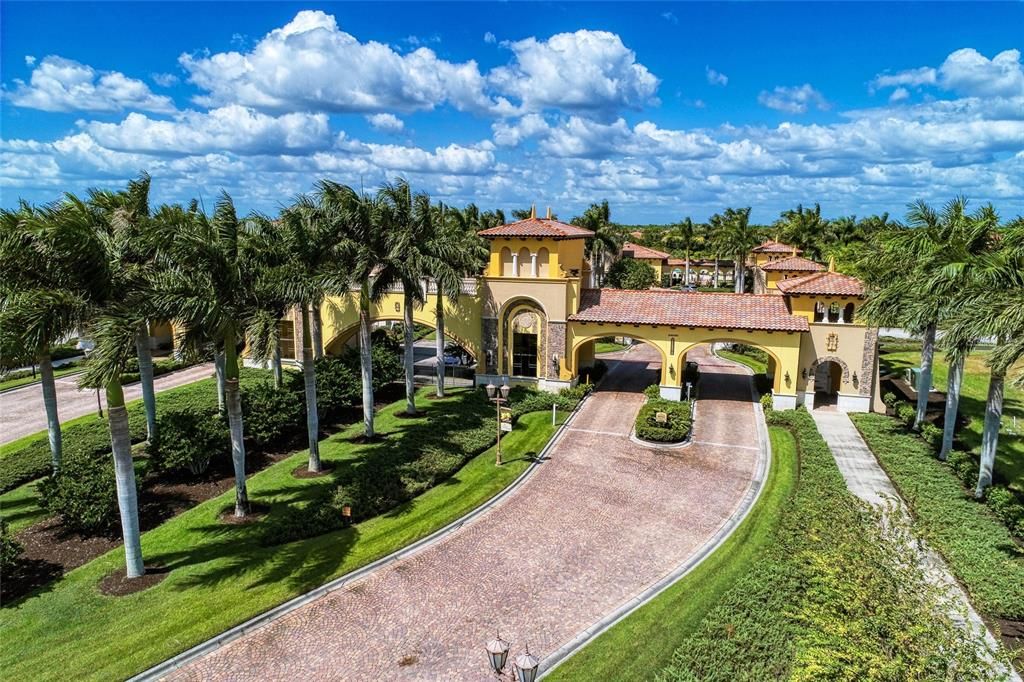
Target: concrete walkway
601,522
867,480
22,412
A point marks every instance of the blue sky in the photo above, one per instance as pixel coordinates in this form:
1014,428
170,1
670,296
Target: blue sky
664,109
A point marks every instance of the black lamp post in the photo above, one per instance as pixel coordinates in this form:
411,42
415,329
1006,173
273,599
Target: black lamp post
525,667
499,396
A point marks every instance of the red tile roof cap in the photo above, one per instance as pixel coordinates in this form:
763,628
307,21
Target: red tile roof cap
772,246
794,263
537,227
640,251
826,283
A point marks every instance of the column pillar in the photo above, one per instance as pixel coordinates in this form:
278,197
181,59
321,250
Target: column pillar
533,265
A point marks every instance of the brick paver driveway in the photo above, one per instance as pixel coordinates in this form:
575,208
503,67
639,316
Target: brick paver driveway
602,519
22,412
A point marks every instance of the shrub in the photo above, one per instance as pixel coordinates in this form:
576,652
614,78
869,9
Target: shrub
653,392
932,435
674,430
524,400
889,399
766,402
629,273
906,413
273,416
10,549
338,385
190,438
83,494
964,466
1008,508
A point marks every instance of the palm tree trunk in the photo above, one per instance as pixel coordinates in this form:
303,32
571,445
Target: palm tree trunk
309,379
233,403
990,431
218,366
124,476
439,343
737,276
366,359
410,355
716,271
317,326
276,365
687,275
146,380
953,383
924,382
50,405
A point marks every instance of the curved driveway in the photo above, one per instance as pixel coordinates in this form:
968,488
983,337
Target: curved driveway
600,521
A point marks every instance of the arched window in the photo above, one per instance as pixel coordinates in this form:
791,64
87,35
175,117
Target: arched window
833,312
525,262
507,269
677,276
848,313
819,311
542,263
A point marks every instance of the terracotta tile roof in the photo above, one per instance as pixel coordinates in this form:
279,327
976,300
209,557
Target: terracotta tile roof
827,283
695,262
794,263
640,251
688,309
772,246
537,227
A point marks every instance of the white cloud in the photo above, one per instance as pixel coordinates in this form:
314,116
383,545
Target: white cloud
898,95
59,84
233,128
454,159
386,123
510,134
311,64
716,78
912,77
670,17
793,100
585,71
968,72
164,80
490,38
30,60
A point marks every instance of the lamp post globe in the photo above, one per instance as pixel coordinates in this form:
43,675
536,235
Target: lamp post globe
527,666
497,653
504,391
491,389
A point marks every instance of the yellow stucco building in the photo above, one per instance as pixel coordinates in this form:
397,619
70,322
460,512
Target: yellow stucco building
529,319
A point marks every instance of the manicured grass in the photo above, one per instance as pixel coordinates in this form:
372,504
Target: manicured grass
221,574
25,381
608,347
1010,453
40,436
20,507
976,544
751,362
643,643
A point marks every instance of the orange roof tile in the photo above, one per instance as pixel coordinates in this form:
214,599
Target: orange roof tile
826,283
794,264
766,312
640,251
772,246
537,227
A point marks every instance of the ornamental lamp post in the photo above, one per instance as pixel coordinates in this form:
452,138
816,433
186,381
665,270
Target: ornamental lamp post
524,668
527,666
499,396
497,653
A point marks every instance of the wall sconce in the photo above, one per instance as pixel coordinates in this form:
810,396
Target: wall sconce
803,373
554,361
672,371
855,380
788,379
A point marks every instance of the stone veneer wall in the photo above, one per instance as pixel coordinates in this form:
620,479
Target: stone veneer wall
867,365
554,343
490,345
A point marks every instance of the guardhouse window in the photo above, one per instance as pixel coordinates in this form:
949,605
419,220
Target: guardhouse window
848,313
833,312
819,311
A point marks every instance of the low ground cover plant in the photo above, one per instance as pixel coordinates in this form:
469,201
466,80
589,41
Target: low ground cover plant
677,422
977,545
831,597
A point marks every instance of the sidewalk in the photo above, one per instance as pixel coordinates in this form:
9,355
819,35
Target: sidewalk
867,480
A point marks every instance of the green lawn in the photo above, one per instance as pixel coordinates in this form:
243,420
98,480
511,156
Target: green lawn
642,644
25,381
221,574
1010,454
608,347
751,362
20,507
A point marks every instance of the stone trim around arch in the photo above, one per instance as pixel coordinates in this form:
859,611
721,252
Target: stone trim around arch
830,358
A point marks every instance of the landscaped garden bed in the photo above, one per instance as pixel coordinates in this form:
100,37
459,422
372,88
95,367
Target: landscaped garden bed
976,543
677,417
827,596
219,575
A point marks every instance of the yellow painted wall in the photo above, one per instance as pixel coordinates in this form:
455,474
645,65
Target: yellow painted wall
551,294
848,346
804,305
564,255
773,277
462,320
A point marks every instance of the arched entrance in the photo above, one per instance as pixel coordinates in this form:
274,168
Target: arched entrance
829,374
522,337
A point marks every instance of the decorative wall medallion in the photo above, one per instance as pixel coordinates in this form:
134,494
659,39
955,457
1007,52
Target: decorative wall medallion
832,342
525,323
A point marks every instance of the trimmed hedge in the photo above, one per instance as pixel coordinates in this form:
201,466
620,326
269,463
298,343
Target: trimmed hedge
978,547
84,493
831,597
674,430
10,549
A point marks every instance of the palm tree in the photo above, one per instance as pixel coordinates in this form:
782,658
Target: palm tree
452,251
409,217
683,237
125,219
366,247
992,306
733,235
211,267
47,264
607,239
804,227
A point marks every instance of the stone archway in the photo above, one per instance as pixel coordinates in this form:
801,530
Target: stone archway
828,373
524,339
